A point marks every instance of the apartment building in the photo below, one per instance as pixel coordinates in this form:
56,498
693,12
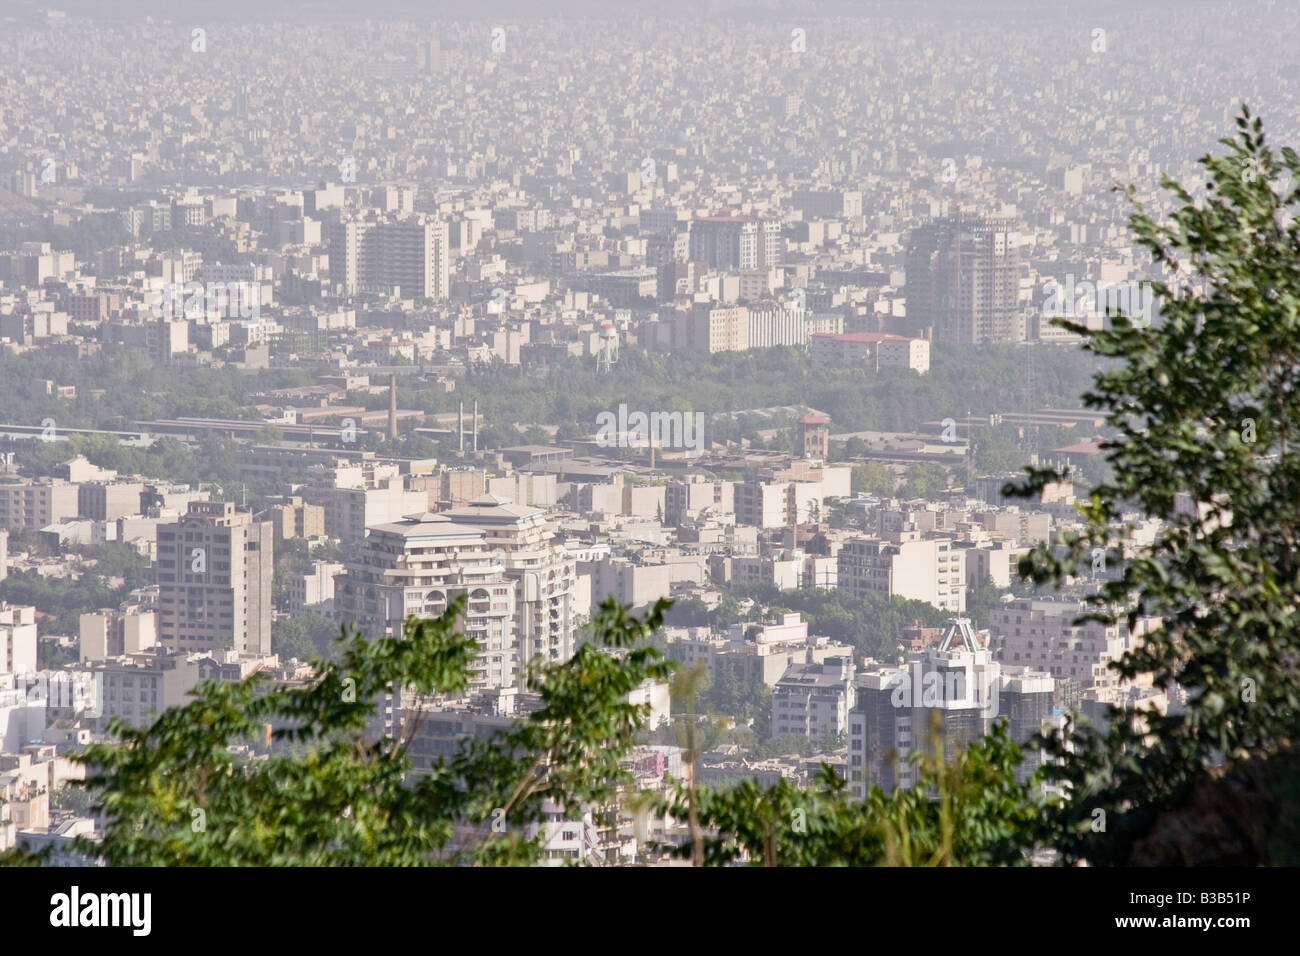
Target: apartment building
828,203
417,566
694,495
712,329
138,687
755,651
869,350
954,689
814,700
963,280
996,560
764,504
110,633
314,590
1042,634
350,511
37,503
923,569
636,585
109,500
294,518
523,543
736,243
769,328
17,639
411,255
214,574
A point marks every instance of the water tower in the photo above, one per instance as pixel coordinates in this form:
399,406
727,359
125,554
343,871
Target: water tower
607,353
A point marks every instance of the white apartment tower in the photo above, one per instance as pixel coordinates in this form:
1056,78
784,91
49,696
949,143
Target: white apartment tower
521,541
418,566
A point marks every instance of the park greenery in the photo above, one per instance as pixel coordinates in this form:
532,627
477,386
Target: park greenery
118,388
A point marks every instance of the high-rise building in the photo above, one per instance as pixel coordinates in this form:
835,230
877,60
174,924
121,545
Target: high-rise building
1043,634
344,241
214,574
714,329
418,566
828,203
734,243
433,53
813,700
17,638
522,543
963,280
770,328
953,689
410,254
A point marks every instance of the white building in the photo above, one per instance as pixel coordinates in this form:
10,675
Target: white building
871,350
418,566
522,545
17,639
923,569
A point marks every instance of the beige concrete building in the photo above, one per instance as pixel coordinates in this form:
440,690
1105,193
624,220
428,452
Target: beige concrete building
38,503
105,634
923,569
294,519
214,574
17,639
1043,634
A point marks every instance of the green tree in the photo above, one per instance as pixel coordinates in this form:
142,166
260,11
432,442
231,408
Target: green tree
181,791
978,816
924,480
1205,411
873,478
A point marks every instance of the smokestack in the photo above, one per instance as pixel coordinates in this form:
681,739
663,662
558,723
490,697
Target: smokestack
460,425
476,426
392,407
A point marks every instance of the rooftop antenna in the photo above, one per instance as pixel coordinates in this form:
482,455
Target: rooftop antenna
960,628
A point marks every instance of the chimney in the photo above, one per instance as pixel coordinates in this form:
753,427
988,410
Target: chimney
460,425
476,426
392,407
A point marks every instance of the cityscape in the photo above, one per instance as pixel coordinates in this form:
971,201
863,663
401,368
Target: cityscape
591,422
